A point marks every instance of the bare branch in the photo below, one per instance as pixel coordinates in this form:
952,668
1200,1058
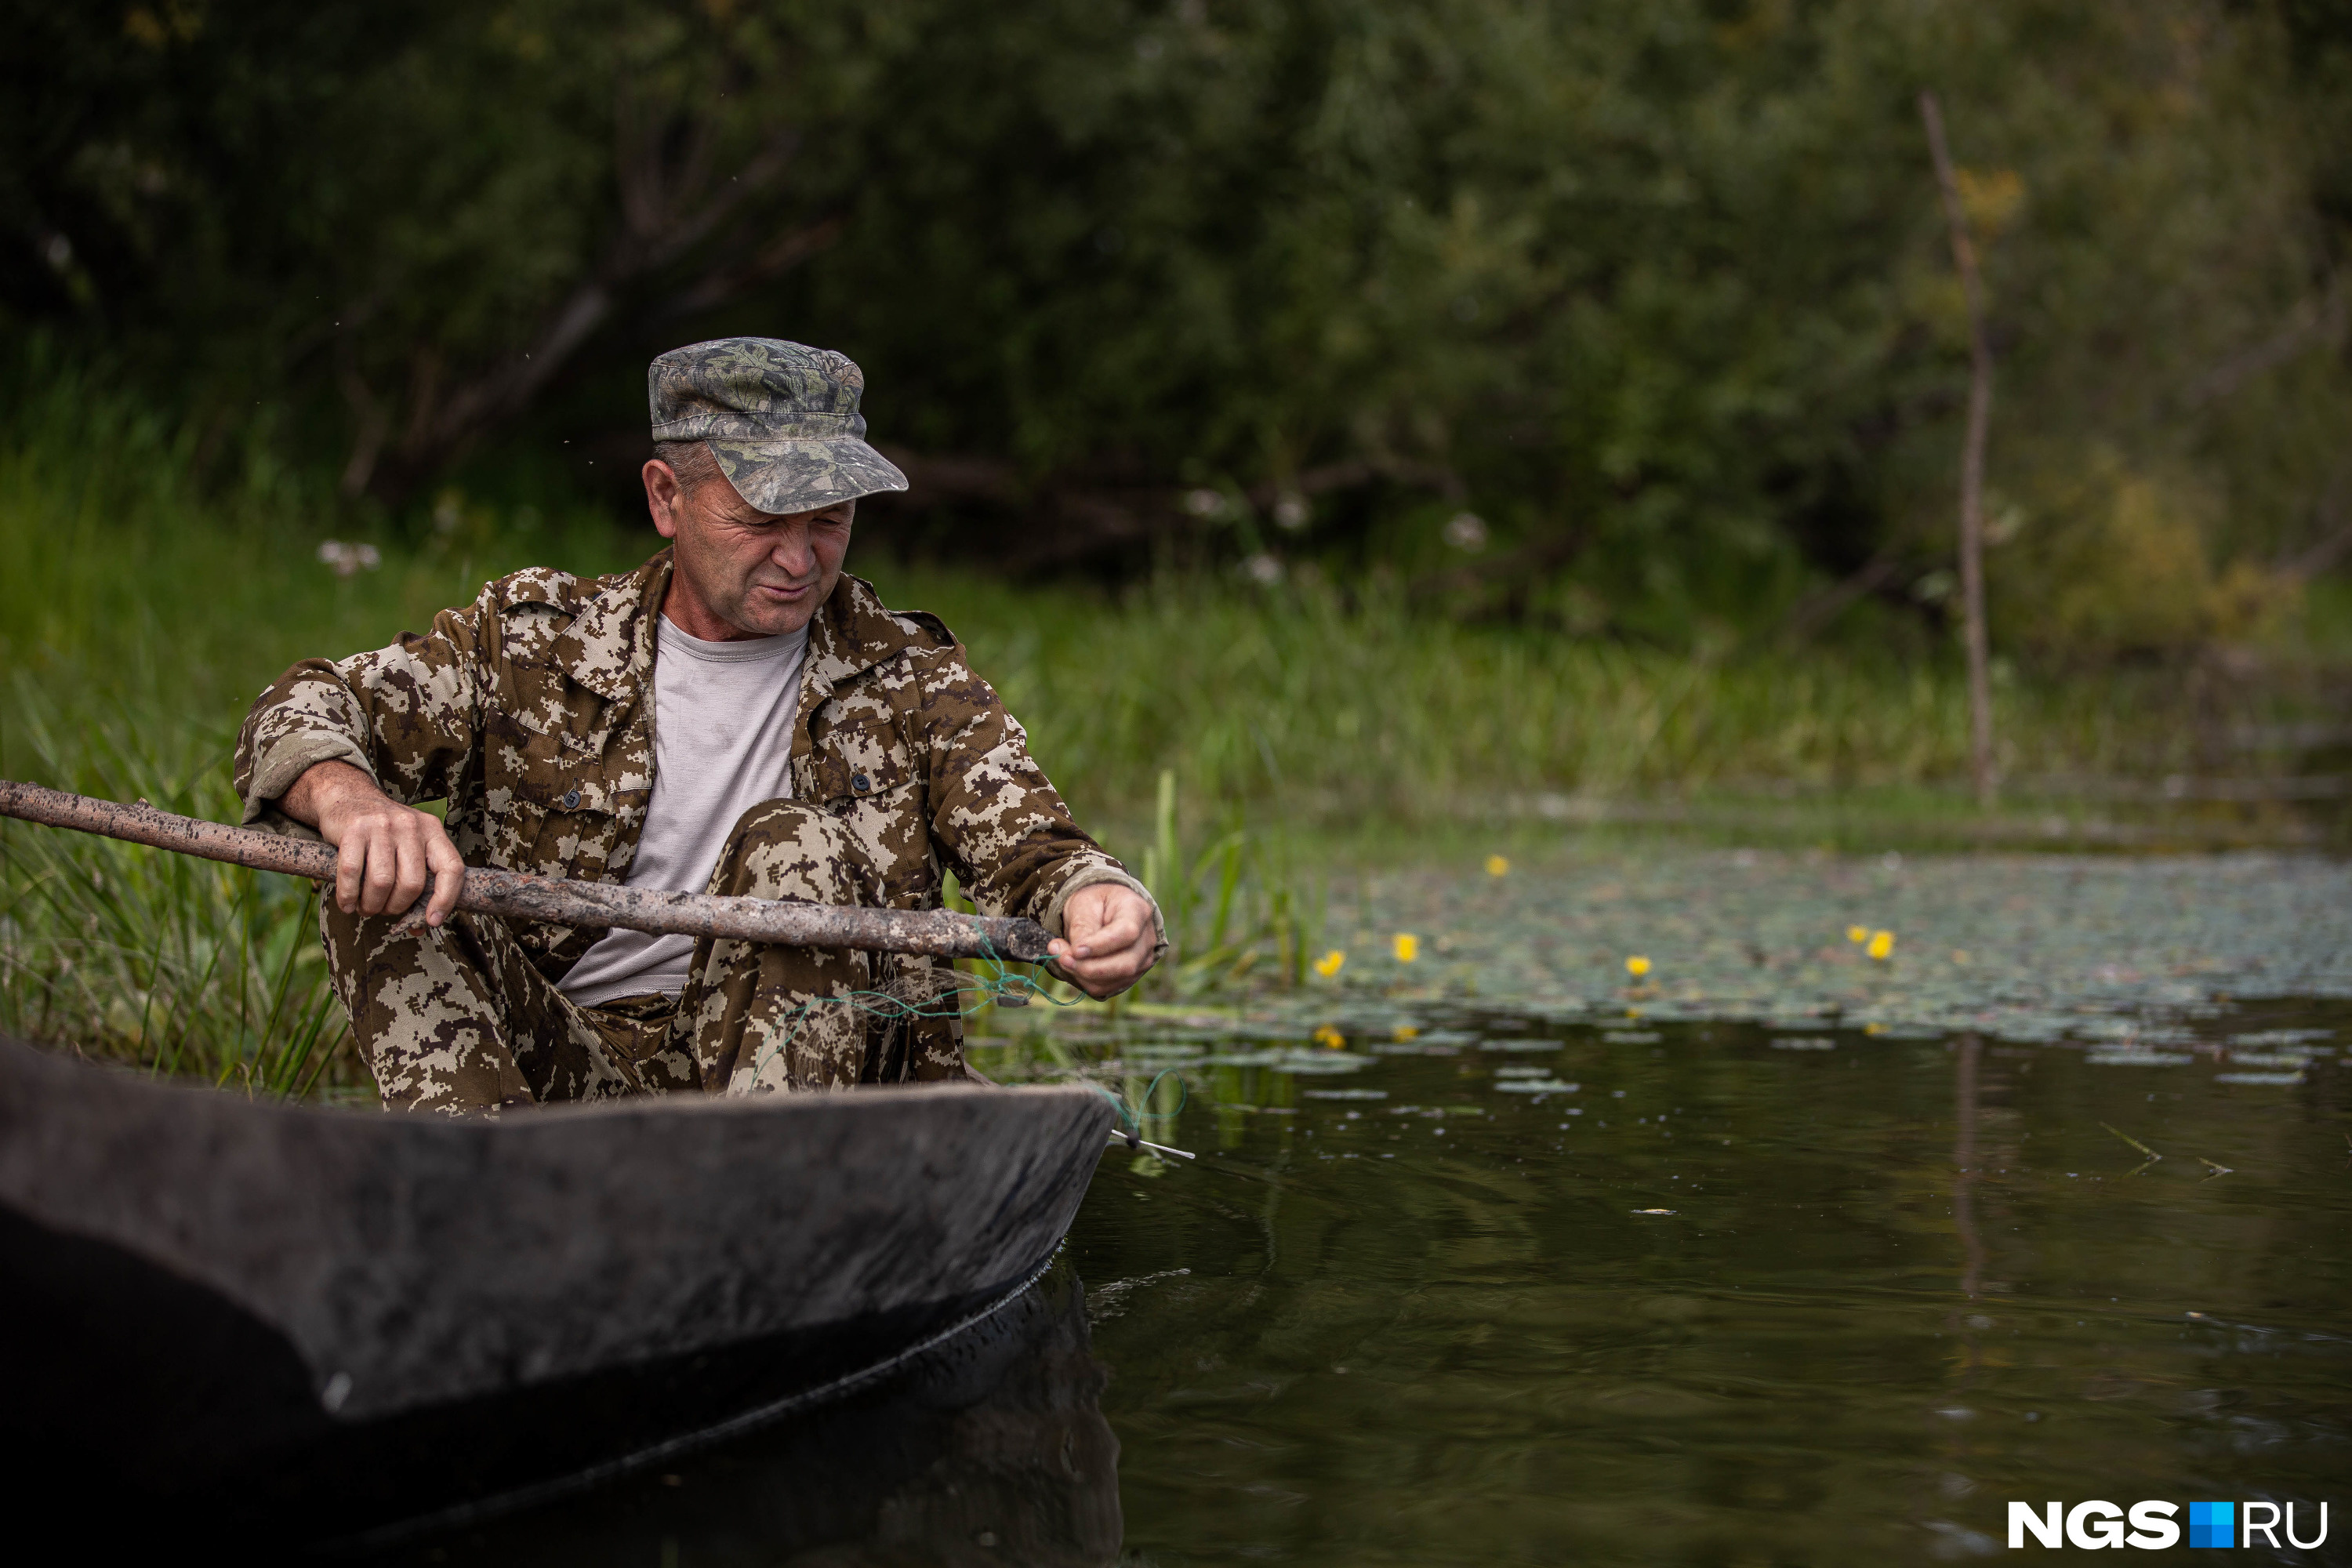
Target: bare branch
2335,544
1350,472
1818,610
1964,256
2313,324
780,256
1518,567
375,422
655,185
591,905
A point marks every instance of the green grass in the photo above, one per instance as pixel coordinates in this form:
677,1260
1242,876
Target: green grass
138,619
1233,738
1337,707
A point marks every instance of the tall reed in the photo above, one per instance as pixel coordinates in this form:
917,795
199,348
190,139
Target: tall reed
139,614
1238,908
1323,704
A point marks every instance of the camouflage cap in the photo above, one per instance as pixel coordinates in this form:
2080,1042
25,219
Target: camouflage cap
782,418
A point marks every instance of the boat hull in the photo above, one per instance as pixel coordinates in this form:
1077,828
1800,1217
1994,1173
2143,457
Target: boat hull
332,1320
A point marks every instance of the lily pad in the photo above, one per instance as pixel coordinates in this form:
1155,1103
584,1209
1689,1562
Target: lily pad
2269,1058
1163,1051
1321,1063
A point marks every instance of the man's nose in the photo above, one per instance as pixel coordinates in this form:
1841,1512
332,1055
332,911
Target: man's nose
792,553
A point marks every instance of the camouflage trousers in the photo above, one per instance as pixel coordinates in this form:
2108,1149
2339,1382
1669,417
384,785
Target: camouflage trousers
459,1019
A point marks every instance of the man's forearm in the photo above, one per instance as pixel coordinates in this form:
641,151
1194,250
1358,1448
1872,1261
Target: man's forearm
319,786
404,713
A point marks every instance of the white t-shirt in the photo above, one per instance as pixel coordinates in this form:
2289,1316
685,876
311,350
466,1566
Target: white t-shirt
723,716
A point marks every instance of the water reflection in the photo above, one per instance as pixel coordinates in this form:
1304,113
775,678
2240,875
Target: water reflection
1722,1293
1964,1165
991,1449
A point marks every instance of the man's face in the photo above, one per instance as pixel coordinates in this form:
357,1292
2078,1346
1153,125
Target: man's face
743,573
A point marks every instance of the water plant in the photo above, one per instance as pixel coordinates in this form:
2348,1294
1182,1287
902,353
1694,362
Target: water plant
1240,908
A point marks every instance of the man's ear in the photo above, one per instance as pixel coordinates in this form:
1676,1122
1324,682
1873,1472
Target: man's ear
664,495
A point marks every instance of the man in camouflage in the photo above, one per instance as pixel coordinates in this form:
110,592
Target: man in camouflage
535,714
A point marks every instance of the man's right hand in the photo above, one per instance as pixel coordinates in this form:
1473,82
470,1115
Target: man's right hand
382,848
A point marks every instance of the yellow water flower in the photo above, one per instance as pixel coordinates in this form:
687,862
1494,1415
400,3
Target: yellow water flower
1882,942
1497,867
1637,967
1857,934
1406,1032
1329,963
1329,1038
1407,947
1873,1028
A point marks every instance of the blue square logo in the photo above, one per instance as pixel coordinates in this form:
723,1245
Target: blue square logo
2212,1524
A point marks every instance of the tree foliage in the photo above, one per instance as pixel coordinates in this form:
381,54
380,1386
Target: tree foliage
1632,314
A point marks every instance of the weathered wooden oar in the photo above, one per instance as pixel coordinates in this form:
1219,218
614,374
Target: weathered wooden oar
939,933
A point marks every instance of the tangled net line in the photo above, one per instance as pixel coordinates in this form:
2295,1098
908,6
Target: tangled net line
964,995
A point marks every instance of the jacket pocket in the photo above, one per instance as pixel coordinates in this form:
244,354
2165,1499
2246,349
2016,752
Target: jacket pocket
553,805
866,763
865,776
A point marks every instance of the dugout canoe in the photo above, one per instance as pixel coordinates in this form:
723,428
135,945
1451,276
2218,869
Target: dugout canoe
997,1432
326,1321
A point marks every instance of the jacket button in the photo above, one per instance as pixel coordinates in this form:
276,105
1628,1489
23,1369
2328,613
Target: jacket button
571,798
860,782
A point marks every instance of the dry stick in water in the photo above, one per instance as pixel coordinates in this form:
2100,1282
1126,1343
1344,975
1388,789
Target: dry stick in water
1132,1142
1964,256
2152,1155
939,933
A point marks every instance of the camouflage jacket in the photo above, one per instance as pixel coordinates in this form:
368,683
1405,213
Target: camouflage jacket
531,713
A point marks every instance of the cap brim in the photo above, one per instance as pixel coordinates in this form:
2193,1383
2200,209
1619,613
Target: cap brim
805,474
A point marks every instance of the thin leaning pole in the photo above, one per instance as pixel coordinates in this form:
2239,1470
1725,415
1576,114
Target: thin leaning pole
938,933
1972,596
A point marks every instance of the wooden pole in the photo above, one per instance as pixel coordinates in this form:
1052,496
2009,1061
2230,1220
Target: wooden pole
1964,256
939,933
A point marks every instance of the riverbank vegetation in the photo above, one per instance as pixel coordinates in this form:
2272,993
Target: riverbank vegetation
1388,425
1229,735
1635,320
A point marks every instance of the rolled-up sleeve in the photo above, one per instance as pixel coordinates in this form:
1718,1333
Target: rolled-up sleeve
407,715
997,819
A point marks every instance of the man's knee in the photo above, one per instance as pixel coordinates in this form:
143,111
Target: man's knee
786,849
379,946
426,1009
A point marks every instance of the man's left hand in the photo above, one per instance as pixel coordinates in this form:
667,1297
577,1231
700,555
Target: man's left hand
1109,940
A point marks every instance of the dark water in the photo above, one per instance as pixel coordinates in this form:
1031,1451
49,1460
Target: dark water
1405,1315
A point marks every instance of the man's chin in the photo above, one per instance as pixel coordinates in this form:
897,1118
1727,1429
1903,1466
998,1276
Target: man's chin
767,616
771,625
